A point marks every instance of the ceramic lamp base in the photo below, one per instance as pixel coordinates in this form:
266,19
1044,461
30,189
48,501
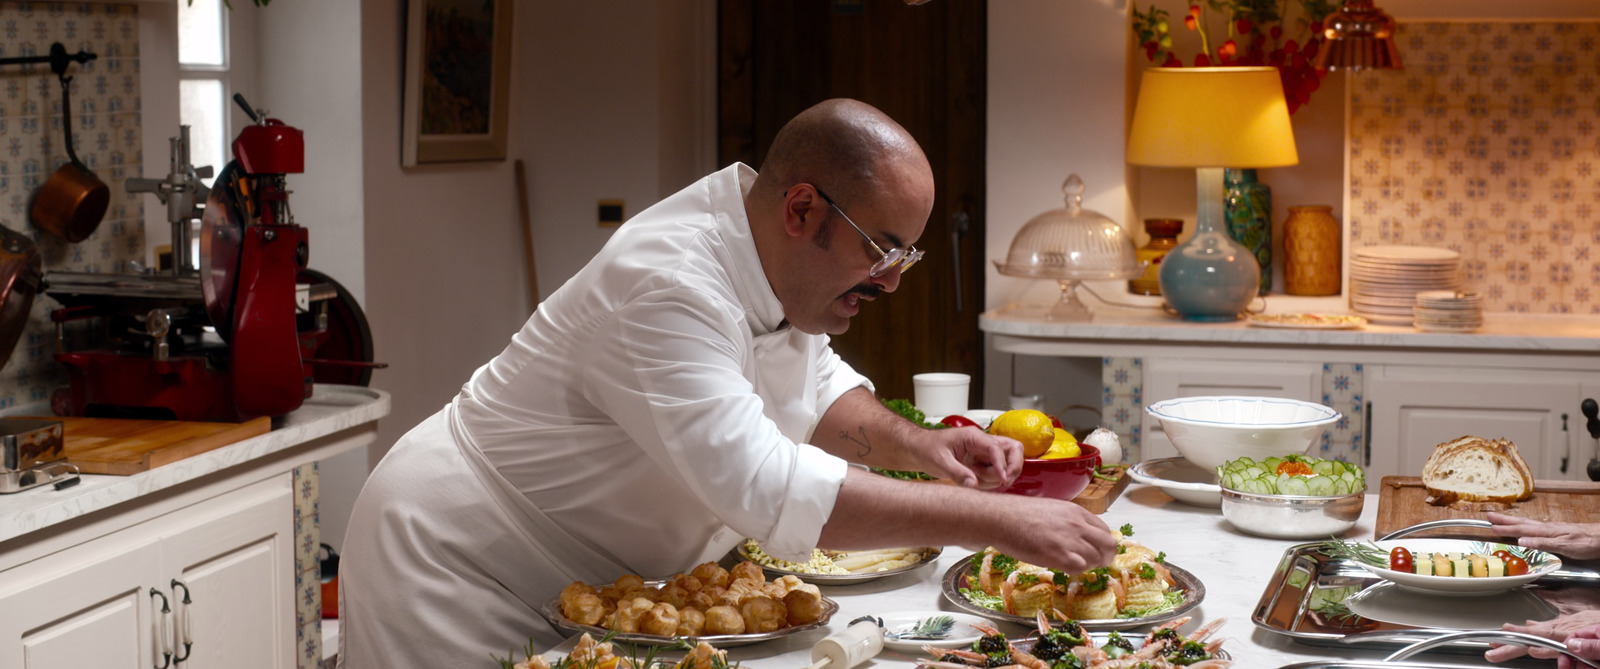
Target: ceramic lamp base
1210,277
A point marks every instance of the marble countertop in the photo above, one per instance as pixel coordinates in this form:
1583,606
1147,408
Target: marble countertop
1501,332
330,409
1235,568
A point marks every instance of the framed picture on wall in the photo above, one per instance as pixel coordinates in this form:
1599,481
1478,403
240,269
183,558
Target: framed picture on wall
457,80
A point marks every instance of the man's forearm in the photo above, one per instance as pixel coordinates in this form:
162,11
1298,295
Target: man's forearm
860,429
875,511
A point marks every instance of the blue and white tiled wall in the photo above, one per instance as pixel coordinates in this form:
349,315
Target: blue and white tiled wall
1486,143
307,569
1122,407
107,135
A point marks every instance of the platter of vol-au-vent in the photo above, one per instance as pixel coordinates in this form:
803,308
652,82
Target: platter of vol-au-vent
961,587
551,610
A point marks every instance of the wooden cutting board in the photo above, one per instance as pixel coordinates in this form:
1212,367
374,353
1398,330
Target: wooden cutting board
1402,502
1101,493
123,447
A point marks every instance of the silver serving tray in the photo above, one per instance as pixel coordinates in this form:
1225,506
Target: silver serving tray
1194,593
929,555
551,610
1294,604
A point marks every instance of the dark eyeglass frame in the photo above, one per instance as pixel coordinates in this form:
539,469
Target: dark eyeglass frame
904,258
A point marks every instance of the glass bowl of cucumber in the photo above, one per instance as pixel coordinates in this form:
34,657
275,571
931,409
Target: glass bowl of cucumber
1292,497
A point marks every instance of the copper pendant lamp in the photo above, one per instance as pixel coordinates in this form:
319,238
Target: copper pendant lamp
1359,36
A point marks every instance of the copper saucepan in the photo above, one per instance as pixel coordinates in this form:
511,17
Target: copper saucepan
71,204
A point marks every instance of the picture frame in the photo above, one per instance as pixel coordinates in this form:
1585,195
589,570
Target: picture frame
457,81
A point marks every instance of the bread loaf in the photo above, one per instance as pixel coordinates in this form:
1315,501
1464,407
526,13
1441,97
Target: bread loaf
1473,469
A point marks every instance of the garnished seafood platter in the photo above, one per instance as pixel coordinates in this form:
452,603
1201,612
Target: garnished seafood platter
1069,645
725,607
1139,588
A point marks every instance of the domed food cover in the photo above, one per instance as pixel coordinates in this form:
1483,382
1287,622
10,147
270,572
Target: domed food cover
1070,245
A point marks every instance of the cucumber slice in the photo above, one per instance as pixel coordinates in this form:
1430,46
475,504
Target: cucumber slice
1320,485
1293,485
1323,468
1271,464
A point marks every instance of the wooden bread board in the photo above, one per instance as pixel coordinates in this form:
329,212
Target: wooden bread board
1402,502
1101,493
122,447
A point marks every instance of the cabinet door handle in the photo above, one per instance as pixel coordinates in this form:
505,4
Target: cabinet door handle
183,636
960,222
163,629
1366,437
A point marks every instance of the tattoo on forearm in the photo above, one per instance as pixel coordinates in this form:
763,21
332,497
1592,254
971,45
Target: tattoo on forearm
863,441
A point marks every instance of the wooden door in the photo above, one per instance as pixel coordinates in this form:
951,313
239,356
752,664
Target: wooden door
925,67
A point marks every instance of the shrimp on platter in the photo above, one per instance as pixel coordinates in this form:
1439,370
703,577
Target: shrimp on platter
1069,647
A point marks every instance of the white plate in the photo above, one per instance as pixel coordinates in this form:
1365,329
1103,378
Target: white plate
961,634
1308,321
1400,254
1540,563
1182,480
1387,602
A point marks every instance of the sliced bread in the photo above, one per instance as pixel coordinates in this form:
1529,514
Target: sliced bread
1473,469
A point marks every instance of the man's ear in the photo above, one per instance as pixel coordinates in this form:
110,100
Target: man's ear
800,212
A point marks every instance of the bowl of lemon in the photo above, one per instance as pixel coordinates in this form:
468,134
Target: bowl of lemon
1057,465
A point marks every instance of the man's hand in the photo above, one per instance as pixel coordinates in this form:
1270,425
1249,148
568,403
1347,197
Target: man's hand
1579,541
1056,534
971,457
1583,624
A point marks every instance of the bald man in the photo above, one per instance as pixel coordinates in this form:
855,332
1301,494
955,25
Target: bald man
676,396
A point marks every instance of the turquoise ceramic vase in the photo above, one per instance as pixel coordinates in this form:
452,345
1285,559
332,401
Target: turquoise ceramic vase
1210,277
1247,207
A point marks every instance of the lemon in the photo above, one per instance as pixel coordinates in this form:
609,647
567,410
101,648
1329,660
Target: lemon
1028,426
1064,446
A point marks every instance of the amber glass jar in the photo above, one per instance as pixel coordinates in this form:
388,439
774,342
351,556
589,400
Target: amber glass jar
1311,258
1163,236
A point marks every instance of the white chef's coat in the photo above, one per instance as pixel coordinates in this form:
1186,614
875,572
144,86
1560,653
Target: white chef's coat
649,415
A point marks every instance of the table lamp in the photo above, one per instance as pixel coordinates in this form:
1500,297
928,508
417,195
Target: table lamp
1211,118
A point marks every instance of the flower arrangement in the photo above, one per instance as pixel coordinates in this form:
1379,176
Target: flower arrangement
1254,35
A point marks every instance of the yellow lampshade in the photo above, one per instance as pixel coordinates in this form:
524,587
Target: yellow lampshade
1233,117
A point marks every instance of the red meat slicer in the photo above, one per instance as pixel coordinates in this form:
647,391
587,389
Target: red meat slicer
234,336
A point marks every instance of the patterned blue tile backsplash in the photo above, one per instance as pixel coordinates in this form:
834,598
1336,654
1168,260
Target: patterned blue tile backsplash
106,135
1487,143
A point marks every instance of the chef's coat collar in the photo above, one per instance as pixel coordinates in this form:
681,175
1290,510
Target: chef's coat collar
763,309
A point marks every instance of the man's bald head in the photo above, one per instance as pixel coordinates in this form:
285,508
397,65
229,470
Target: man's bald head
849,146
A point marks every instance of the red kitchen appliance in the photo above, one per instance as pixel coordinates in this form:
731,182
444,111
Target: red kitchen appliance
233,335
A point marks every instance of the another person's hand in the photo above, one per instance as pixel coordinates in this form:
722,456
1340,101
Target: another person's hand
1057,534
971,457
1579,541
1583,624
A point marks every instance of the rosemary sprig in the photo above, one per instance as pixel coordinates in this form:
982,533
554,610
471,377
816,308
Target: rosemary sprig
1357,551
937,627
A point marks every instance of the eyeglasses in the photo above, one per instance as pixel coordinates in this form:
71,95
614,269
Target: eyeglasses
904,258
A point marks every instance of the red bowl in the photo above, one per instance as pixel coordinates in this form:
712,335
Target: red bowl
1061,479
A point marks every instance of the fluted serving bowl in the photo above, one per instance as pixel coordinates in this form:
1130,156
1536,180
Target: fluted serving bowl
1209,431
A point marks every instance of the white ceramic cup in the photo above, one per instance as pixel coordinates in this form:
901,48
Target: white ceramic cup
941,394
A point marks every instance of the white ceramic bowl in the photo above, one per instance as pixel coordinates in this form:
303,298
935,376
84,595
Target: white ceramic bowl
1210,431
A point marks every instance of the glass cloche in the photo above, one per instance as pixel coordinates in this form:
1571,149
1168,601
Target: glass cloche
1070,245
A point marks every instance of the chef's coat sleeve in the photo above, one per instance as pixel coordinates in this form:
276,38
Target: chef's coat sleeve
670,370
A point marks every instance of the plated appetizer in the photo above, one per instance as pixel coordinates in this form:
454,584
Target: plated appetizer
1071,647
1292,475
592,654
1448,566
1137,584
847,566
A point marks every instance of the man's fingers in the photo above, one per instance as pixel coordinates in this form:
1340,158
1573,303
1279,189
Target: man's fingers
1501,653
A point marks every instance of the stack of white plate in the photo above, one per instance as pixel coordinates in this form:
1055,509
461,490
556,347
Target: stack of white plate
1449,311
1385,280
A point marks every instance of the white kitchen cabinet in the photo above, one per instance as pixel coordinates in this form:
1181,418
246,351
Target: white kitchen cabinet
1413,408
100,603
1169,378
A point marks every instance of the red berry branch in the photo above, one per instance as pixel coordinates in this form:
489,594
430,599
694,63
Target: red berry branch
1254,35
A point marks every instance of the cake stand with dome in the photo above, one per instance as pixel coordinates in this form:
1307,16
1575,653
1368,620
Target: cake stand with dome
1071,245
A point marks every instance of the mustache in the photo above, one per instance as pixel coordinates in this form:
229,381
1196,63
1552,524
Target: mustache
866,290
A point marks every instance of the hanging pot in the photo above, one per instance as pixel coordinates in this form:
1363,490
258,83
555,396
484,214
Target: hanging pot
72,202
21,270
